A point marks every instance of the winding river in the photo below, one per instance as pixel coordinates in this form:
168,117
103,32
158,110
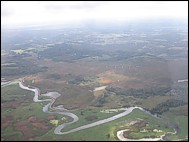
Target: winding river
63,111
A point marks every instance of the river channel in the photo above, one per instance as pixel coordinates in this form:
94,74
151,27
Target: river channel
58,130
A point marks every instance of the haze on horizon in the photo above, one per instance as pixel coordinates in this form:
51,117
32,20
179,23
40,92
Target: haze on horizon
29,13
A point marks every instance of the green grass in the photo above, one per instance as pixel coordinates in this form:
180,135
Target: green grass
101,132
182,122
140,135
13,90
22,112
10,134
89,112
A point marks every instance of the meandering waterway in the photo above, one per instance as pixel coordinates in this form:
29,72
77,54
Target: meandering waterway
57,110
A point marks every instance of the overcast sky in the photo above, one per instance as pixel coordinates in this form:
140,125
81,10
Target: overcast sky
45,13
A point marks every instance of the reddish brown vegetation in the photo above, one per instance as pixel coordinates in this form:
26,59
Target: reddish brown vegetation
134,84
40,125
140,124
19,124
14,103
50,117
11,104
105,81
32,119
126,134
26,126
5,121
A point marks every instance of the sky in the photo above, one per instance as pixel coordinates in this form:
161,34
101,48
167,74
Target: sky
28,13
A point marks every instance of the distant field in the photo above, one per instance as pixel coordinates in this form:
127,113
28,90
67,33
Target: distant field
110,77
74,97
139,65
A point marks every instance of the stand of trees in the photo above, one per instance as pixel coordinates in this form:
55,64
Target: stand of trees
21,67
141,92
163,107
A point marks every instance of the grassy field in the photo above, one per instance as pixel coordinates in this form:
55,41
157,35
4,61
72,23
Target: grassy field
153,101
182,121
16,118
74,97
17,112
89,115
14,92
16,103
106,131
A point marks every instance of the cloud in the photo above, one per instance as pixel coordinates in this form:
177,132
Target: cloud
65,12
5,11
73,6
